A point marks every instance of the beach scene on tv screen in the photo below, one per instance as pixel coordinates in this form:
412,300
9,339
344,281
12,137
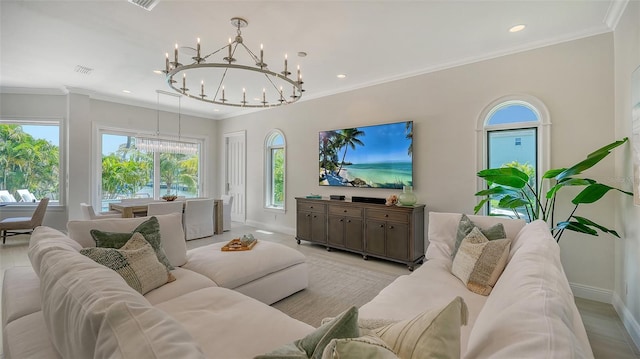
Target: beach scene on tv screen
379,156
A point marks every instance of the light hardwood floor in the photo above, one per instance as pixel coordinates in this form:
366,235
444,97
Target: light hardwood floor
606,333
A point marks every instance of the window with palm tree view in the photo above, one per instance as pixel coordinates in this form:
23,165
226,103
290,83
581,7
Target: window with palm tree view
130,173
275,170
29,161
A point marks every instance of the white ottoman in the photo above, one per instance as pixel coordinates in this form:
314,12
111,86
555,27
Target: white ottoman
268,272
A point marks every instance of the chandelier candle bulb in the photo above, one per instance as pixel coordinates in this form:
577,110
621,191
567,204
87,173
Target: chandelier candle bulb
198,49
202,88
175,55
285,65
166,62
261,56
229,50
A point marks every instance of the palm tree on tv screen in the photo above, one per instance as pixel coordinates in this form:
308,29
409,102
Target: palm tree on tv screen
349,138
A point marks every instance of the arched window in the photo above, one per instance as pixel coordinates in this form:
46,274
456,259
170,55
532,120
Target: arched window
275,170
514,132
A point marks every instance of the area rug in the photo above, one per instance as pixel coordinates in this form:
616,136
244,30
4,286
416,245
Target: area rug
333,288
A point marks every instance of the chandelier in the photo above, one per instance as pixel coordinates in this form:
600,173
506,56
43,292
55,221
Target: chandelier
166,144
274,89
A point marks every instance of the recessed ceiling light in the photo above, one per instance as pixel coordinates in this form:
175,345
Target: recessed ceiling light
341,76
126,91
517,28
216,110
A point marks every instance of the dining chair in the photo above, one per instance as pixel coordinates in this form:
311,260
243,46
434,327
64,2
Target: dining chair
90,214
198,221
156,208
13,226
5,196
227,202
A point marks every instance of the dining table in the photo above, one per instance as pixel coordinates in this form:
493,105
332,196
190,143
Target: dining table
140,208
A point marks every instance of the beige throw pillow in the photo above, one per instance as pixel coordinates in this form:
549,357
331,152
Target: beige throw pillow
432,334
135,261
479,262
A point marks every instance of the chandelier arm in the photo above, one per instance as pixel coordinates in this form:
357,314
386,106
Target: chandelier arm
253,56
215,52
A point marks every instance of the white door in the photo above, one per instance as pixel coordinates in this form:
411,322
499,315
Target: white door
235,172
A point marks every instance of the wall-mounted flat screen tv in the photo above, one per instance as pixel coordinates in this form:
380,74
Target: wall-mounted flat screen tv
379,156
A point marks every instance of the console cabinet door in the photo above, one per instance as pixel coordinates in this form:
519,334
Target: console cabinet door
319,228
397,241
375,237
303,225
336,231
353,238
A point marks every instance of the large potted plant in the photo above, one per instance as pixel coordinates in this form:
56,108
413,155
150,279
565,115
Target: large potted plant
512,189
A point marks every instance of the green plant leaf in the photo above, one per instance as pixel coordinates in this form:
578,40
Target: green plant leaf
496,190
592,193
588,222
478,207
552,173
511,202
593,158
582,165
506,176
569,182
577,227
609,147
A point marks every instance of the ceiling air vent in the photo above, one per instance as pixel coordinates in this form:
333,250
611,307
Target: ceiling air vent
83,70
145,4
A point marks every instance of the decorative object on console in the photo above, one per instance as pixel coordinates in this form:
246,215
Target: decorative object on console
221,74
336,197
169,197
513,190
407,197
391,200
379,156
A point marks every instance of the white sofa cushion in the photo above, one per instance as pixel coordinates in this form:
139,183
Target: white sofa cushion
443,228
29,339
233,269
20,293
88,306
531,312
207,314
431,286
186,281
171,233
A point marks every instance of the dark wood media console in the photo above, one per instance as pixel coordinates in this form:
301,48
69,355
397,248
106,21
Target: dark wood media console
390,232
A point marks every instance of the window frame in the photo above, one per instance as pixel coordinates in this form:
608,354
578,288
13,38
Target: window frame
268,173
62,150
96,182
542,126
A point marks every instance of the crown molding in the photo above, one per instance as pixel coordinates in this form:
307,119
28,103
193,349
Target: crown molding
34,91
614,13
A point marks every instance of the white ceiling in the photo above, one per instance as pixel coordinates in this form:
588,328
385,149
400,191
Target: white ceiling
371,42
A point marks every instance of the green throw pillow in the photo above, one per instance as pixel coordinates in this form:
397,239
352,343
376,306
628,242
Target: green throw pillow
150,229
344,325
466,225
135,261
368,346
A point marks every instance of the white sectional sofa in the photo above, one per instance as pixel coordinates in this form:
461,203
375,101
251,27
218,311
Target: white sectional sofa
89,311
530,312
86,310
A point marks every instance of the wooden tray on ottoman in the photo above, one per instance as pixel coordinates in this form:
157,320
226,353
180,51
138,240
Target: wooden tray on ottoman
236,245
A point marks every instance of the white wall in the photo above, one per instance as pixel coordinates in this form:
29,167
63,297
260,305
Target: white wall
573,79
82,115
627,251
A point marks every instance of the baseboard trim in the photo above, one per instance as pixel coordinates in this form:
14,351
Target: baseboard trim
271,227
592,293
631,325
